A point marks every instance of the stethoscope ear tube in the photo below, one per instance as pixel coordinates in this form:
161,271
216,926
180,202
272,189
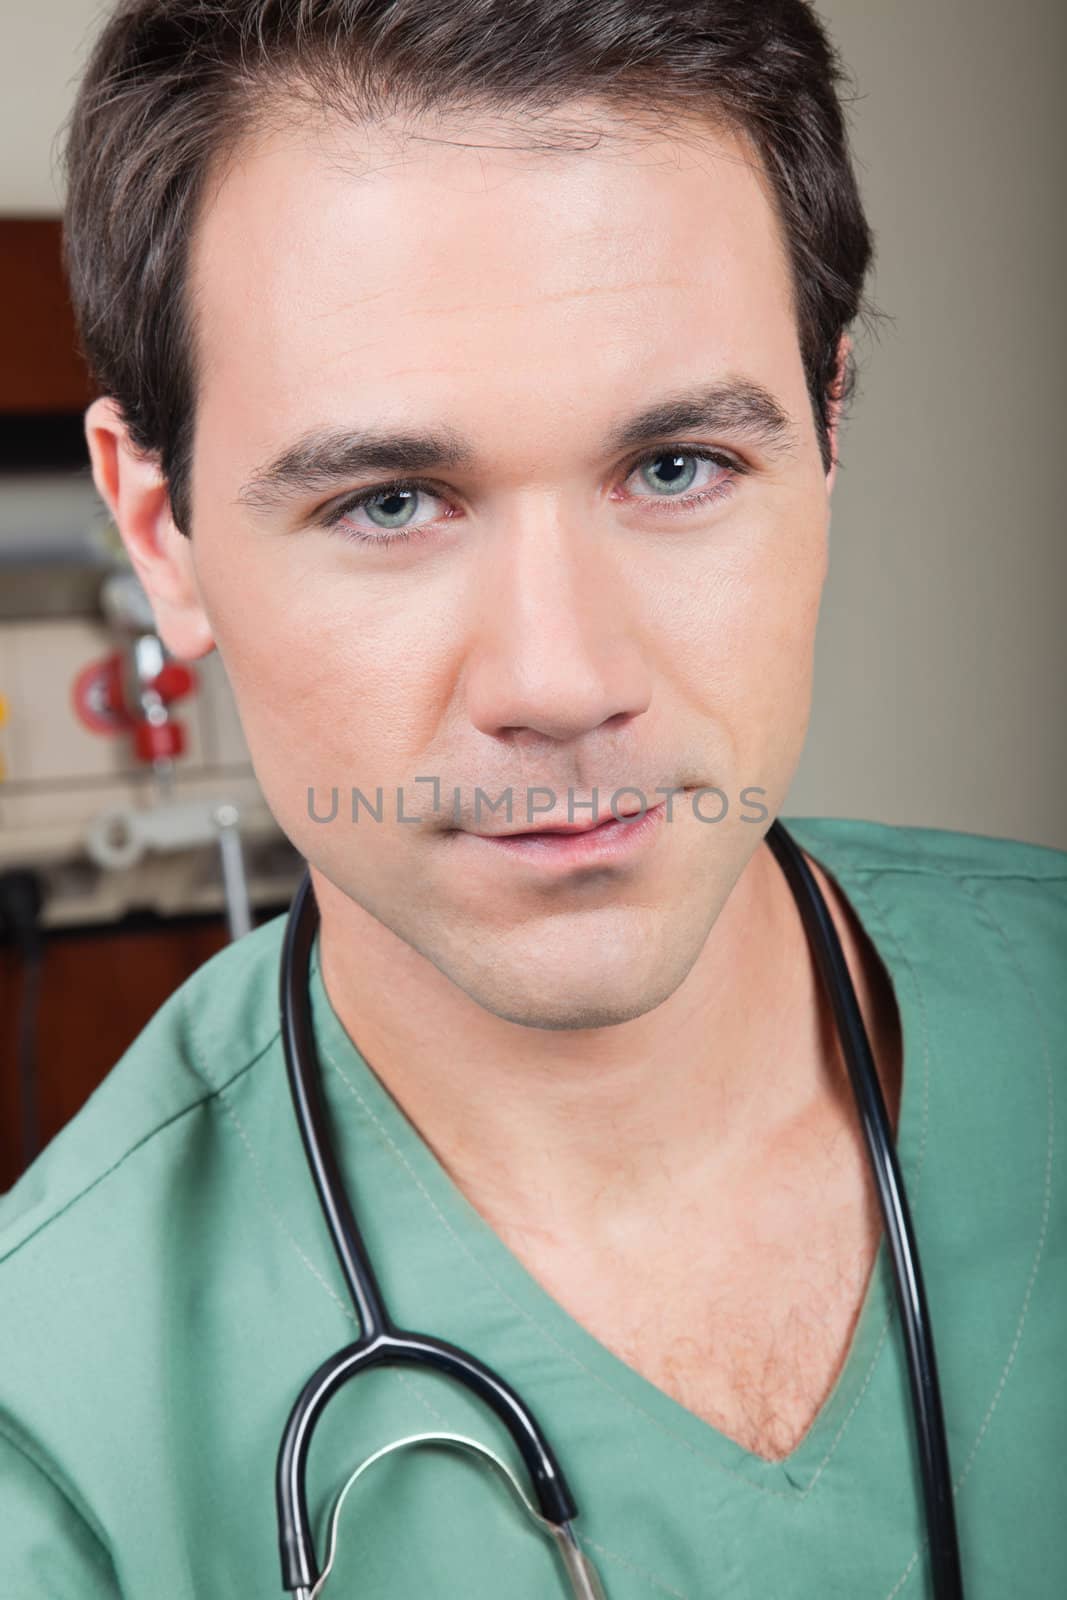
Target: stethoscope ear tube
911,1296
298,1043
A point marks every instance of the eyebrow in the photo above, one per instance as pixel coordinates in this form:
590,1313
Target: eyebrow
326,458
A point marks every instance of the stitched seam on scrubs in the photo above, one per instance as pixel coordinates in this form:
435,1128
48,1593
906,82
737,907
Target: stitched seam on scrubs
874,914
211,1091
906,1574
612,1555
994,921
1047,1202
932,850
39,1465
199,1063
94,1183
257,1166
993,874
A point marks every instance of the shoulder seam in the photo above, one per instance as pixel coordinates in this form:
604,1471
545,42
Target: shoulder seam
867,869
210,1093
936,854
38,1464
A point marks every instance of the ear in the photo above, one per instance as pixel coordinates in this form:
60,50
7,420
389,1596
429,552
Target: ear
135,491
836,401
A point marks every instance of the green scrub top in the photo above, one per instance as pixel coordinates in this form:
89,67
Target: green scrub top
167,1285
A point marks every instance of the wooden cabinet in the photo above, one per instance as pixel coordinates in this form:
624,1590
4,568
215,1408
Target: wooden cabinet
41,370
98,990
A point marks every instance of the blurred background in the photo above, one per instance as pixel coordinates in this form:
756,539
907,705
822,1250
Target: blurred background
134,841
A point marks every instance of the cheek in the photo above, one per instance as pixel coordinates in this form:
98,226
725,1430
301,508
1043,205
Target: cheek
744,626
742,643
776,655
334,685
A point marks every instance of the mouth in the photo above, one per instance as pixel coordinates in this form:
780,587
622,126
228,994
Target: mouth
602,841
592,826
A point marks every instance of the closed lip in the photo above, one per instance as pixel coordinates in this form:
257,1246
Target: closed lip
566,827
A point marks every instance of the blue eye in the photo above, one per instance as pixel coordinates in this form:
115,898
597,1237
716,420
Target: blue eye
677,468
397,506
675,479
393,504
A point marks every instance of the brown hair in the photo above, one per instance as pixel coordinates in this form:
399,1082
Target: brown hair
172,85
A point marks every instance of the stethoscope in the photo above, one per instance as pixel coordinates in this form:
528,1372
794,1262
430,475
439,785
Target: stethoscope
381,1343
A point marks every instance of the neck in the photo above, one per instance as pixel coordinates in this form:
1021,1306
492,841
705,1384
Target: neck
549,1132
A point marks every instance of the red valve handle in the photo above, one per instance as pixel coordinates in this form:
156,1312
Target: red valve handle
98,692
155,740
173,681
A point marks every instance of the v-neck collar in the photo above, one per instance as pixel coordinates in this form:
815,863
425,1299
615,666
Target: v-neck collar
796,1473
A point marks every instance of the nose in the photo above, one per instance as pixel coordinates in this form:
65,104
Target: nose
556,649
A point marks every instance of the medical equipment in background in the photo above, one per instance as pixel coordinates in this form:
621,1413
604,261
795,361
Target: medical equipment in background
131,692
381,1343
103,731
133,689
120,839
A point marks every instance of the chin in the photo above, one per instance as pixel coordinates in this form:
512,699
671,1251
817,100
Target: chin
573,1001
573,1013
593,971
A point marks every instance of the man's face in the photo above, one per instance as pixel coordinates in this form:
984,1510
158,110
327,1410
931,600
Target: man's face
555,619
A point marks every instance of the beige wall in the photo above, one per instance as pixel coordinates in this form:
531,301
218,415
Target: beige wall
942,661
42,45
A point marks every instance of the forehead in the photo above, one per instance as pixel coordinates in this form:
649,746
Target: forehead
331,259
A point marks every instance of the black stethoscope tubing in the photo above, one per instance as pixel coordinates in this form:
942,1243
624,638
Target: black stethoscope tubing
381,1343
896,1215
